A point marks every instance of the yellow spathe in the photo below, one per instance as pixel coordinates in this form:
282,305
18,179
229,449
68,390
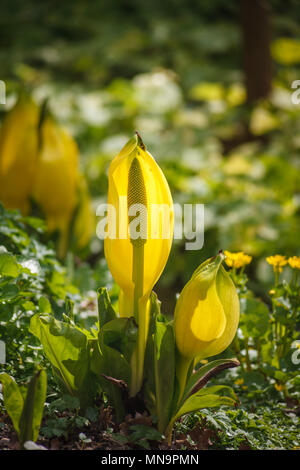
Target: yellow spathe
18,154
56,179
207,312
119,251
138,242
57,171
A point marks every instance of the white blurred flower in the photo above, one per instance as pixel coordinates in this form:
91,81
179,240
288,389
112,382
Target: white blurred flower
157,92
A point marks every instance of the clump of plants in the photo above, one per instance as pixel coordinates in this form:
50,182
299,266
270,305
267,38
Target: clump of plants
134,358
41,159
139,359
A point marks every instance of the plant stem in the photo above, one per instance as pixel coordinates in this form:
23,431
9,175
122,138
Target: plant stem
237,349
141,314
248,362
182,368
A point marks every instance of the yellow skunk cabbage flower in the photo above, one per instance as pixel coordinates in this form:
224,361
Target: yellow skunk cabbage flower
206,315
56,179
84,224
18,154
139,236
207,311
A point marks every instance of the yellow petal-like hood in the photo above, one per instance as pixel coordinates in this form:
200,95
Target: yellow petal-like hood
207,311
230,302
18,153
135,177
57,175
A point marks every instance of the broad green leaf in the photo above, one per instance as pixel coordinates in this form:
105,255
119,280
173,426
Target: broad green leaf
44,305
13,399
107,364
105,309
209,397
119,334
6,312
8,292
111,359
201,376
32,413
66,348
8,265
164,366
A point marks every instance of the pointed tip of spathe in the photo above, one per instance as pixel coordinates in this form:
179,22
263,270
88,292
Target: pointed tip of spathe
221,256
140,140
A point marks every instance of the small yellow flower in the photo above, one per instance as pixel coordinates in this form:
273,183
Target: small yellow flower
277,261
279,387
239,381
294,262
237,260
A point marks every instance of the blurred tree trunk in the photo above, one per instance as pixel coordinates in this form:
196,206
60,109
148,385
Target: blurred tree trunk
255,25
256,30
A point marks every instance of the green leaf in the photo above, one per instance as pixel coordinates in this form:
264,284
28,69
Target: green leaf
13,400
8,265
140,432
8,292
119,334
44,305
32,413
209,397
201,376
149,387
164,366
111,359
106,364
66,348
105,309
6,312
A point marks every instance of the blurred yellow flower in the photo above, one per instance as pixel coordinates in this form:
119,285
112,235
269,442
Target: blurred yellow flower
56,179
239,381
286,51
237,260
294,262
277,261
18,154
279,387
